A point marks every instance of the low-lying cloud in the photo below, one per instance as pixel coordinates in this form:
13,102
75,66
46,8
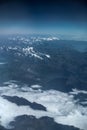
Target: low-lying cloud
62,107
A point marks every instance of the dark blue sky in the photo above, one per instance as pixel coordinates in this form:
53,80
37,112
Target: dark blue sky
62,16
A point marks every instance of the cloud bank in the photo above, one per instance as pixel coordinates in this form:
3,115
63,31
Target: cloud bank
62,107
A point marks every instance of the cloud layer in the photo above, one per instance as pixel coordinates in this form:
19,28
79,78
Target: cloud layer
62,107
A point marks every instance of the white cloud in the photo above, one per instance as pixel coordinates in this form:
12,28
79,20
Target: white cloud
76,91
36,86
60,106
2,63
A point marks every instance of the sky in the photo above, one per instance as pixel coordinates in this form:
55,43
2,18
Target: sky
46,16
